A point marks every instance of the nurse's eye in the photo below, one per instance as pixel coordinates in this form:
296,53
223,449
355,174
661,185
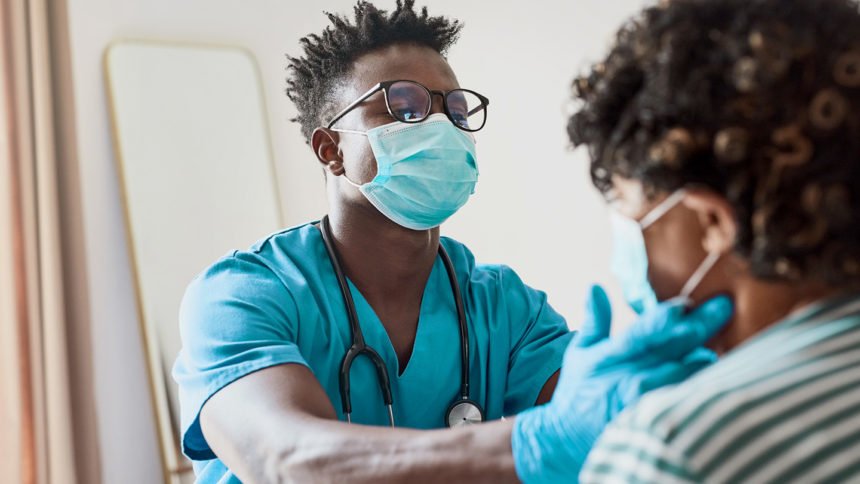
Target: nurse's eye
466,108
408,101
406,113
460,119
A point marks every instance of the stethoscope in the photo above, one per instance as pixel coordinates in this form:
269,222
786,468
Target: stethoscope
463,411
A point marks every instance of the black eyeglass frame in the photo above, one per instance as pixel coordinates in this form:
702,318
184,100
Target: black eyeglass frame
383,86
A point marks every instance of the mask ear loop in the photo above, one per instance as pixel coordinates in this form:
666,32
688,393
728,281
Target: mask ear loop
350,131
661,209
706,265
356,185
697,276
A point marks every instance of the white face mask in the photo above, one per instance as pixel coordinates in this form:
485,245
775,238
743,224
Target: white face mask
629,260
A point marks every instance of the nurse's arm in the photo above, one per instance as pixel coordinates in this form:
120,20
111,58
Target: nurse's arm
278,425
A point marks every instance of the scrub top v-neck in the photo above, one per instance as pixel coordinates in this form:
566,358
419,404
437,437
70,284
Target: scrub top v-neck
436,349
279,302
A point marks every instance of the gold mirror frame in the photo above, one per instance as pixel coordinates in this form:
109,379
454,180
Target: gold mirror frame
175,466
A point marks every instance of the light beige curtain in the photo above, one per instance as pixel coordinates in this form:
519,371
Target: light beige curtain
46,403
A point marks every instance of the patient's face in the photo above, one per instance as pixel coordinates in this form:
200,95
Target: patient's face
673,243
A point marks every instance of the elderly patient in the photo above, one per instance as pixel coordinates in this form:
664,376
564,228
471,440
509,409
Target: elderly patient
726,136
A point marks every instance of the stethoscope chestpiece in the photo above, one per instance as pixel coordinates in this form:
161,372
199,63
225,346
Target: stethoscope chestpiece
464,412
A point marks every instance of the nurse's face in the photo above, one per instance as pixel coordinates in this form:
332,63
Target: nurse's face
400,61
679,241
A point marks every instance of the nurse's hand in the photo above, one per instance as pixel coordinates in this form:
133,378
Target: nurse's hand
600,376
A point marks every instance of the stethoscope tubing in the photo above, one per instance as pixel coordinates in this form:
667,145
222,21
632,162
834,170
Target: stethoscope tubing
359,346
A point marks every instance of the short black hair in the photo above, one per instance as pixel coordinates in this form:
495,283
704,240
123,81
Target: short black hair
328,57
758,100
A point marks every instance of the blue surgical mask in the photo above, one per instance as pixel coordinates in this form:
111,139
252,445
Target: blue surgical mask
629,261
425,171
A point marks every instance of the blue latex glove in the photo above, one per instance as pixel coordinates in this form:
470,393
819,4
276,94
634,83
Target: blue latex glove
601,376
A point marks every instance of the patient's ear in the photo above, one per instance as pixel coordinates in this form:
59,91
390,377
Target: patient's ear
716,217
325,145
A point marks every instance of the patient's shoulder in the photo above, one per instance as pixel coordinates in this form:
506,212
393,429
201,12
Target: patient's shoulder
776,407
729,390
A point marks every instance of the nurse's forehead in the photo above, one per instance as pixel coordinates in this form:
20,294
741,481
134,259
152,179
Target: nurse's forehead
399,61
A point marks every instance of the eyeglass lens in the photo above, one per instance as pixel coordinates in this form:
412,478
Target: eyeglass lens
410,102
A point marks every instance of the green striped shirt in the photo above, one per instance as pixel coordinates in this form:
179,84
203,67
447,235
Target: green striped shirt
782,407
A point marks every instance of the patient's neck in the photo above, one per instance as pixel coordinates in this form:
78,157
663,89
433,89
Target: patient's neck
759,304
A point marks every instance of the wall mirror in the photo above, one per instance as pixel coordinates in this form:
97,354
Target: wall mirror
194,158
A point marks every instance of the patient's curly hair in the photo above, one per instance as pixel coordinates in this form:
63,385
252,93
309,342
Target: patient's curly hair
758,100
328,57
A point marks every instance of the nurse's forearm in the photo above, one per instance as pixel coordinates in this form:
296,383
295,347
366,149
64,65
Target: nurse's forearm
330,451
278,425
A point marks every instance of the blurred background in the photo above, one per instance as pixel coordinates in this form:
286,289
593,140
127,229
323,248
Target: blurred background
106,198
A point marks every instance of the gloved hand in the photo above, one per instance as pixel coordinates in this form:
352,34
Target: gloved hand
600,376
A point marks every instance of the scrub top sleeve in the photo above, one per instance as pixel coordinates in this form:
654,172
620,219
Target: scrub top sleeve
539,336
235,318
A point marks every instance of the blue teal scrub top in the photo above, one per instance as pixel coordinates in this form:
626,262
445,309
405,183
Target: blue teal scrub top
279,302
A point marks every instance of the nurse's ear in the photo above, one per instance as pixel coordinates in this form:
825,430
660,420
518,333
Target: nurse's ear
325,144
716,217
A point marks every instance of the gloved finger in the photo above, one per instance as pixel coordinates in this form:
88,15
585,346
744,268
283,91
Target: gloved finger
668,373
702,356
649,331
710,317
598,319
669,333
693,330
673,372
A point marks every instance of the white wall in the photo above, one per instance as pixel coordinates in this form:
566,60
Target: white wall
534,208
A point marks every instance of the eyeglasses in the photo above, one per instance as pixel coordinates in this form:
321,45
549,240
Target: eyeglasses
410,102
